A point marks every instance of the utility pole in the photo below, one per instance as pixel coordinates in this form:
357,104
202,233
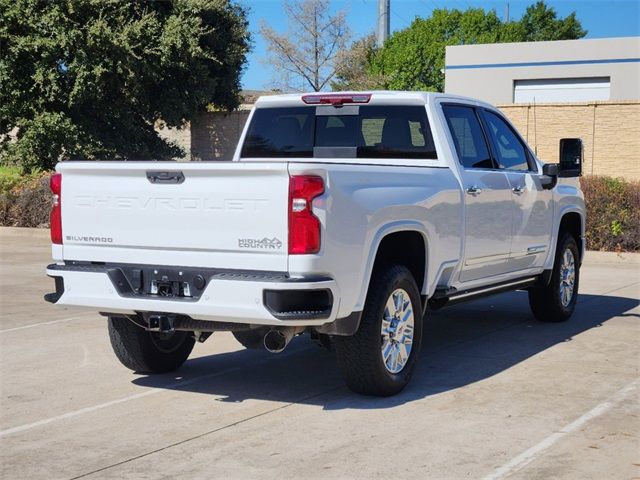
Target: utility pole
384,9
506,13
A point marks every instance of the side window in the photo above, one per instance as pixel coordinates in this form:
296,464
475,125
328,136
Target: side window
395,132
372,131
511,153
468,137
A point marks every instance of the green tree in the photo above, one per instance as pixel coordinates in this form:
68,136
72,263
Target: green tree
540,22
414,58
91,78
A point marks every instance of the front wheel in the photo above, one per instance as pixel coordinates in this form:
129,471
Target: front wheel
556,301
148,352
380,358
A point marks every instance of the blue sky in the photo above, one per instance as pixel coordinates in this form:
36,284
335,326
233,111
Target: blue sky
613,18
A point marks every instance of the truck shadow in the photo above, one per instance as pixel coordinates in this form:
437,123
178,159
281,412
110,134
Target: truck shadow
462,345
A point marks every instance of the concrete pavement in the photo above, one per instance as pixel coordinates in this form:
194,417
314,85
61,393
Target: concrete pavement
495,395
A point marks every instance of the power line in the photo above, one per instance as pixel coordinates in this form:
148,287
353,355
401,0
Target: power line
400,17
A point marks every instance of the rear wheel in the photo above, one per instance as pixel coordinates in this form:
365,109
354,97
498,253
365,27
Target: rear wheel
556,301
148,352
380,358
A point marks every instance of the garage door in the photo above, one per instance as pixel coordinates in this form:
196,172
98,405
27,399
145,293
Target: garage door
561,90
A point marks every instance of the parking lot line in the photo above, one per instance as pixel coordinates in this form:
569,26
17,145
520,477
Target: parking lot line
165,388
41,324
526,457
100,406
75,413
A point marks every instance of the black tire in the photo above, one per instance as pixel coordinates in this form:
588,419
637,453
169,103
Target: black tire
546,302
148,352
359,356
251,339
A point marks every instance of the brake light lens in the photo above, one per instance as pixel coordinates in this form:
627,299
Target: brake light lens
304,226
336,99
55,220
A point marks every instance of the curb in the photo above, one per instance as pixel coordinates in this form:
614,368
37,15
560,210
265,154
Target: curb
24,232
594,257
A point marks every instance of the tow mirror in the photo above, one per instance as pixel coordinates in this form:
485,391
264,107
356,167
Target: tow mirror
570,157
549,175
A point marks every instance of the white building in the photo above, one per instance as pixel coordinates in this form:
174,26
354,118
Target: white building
556,71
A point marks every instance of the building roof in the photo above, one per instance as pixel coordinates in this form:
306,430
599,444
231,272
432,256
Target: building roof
558,52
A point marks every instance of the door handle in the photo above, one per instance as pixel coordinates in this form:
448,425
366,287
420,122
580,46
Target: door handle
475,190
165,177
518,190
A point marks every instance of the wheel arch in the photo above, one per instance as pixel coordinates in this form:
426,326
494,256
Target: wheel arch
573,221
414,253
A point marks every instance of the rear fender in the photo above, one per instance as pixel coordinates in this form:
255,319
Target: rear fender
394,227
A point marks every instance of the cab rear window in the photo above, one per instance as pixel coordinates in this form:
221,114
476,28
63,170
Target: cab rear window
374,132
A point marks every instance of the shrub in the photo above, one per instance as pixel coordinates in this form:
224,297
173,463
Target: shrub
9,178
613,213
25,200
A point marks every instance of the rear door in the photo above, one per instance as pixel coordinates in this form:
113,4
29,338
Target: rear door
532,205
218,215
487,197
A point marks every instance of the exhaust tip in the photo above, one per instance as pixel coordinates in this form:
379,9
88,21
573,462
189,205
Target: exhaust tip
275,341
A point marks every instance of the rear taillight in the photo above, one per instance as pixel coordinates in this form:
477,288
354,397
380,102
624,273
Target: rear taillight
304,226
56,208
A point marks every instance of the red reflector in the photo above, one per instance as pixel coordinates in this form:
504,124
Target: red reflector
336,99
55,220
304,226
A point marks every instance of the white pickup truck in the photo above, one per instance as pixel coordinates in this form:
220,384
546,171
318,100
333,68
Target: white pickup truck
342,215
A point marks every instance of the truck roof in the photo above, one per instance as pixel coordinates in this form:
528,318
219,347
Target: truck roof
378,97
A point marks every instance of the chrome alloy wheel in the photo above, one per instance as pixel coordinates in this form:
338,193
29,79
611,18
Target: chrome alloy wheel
567,277
397,331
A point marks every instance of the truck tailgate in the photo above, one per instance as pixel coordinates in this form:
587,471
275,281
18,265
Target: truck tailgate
219,215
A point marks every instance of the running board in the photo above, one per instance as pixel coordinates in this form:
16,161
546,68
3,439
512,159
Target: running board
450,296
